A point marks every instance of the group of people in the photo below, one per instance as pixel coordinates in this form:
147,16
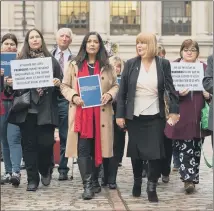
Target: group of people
159,120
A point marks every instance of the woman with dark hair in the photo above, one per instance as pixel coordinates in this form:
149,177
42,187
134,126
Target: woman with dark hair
90,133
187,133
10,133
37,123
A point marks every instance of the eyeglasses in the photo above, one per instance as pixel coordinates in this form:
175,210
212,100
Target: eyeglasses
192,50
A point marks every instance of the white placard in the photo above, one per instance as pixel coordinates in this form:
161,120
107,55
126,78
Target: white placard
187,75
32,73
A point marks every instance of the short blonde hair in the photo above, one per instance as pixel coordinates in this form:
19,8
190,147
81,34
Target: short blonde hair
66,31
150,40
118,60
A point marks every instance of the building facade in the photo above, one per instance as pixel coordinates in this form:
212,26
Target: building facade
117,21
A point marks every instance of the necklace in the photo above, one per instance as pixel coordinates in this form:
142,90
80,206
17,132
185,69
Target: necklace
90,65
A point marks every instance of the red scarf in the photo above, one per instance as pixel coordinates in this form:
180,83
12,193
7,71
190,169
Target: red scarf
84,119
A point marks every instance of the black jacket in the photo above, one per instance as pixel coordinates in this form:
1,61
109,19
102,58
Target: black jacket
47,105
126,94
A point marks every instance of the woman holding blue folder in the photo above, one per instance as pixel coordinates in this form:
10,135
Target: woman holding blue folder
90,133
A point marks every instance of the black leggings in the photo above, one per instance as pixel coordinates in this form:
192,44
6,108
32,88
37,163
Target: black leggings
153,169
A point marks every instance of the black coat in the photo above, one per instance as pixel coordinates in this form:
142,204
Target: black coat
126,94
47,106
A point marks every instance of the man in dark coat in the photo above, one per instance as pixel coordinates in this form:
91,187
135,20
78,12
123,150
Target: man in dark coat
208,86
63,54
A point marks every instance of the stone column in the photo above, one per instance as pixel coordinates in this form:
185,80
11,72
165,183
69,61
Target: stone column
202,18
151,17
99,17
49,18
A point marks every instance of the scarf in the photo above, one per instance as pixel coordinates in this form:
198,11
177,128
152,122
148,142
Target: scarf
37,93
87,120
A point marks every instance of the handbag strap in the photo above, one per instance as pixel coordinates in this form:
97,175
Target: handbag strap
206,161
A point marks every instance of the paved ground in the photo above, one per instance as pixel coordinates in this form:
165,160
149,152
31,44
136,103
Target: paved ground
67,195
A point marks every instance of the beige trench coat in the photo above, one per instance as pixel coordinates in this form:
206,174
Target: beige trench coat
69,89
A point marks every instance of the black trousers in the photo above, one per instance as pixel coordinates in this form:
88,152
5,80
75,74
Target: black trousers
110,165
85,147
37,146
153,169
166,162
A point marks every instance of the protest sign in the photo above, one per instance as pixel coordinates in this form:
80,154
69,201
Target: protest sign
187,75
6,58
90,90
32,73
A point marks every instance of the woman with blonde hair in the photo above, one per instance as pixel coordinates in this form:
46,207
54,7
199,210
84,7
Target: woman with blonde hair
140,107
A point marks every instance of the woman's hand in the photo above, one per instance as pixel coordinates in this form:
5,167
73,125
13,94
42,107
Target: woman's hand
184,92
2,72
56,82
206,95
78,101
120,122
106,98
173,119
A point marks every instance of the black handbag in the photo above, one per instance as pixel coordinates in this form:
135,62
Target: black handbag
21,102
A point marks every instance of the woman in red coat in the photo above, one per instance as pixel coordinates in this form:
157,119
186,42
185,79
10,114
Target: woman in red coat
187,132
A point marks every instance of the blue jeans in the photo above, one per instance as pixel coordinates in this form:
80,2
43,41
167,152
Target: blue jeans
10,142
63,131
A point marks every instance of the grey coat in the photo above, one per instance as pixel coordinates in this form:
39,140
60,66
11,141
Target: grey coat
208,86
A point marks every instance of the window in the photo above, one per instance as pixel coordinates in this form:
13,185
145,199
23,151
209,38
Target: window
74,15
176,18
125,17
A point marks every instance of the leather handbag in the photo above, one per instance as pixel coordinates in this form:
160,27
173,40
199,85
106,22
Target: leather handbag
21,102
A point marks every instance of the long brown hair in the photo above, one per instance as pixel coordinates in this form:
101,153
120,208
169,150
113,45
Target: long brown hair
25,52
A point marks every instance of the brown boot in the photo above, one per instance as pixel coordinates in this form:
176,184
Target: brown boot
189,187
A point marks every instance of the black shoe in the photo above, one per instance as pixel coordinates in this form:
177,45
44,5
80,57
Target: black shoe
63,176
136,190
151,191
15,179
46,180
165,179
96,187
32,186
112,186
6,178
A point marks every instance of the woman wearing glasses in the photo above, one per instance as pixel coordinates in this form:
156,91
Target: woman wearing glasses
187,133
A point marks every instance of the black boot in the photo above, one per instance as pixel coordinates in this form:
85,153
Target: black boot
136,191
112,172
137,166
151,191
95,176
85,167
